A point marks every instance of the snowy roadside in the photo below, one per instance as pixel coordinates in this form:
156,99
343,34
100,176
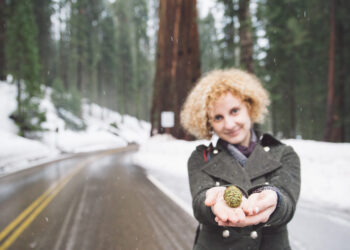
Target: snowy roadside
105,129
324,169
325,172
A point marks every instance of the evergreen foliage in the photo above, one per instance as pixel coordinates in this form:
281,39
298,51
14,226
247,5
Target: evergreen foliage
43,11
296,66
103,51
209,49
135,68
68,105
23,64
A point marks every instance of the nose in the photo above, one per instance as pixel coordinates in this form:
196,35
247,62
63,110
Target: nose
230,123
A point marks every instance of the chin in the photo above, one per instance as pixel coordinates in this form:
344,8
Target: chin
234,140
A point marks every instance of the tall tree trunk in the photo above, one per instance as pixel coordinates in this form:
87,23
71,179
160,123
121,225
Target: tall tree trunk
63,60
80,69
228,55
19,107
178,62
42,11
2,41
331,62
292,116
245,34
338,131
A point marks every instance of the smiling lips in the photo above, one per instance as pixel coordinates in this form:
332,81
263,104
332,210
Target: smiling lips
233,133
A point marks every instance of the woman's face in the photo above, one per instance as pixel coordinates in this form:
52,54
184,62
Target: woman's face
230,120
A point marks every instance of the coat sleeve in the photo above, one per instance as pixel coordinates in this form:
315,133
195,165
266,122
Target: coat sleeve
287,180
200,182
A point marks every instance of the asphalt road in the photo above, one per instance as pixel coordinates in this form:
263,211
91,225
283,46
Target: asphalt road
90,202
101,201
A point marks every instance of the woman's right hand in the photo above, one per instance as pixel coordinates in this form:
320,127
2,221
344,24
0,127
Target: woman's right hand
223,212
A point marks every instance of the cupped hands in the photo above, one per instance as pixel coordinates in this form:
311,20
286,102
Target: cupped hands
253,210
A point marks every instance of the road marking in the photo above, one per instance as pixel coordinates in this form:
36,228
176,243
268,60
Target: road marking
28,210
72,236
63,230
39,204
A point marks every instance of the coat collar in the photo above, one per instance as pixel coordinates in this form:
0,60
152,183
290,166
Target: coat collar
225,167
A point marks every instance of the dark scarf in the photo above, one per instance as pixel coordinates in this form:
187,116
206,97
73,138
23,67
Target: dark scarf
241,153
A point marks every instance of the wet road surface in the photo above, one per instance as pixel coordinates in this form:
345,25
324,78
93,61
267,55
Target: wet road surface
90,202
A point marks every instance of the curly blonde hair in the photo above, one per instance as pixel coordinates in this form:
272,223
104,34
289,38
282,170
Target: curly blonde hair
195,111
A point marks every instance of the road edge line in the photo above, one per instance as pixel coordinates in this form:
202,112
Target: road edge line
171,195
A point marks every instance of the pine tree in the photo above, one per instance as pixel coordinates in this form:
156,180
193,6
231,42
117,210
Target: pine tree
43,11
209,49
228,44
23,64
107,77
142,62
2,40
245,36
295,65
125,55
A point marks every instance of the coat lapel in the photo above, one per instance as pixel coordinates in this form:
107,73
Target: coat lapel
225,167
260,163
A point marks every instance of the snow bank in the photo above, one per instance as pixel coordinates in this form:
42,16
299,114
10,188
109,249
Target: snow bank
325,171
17,152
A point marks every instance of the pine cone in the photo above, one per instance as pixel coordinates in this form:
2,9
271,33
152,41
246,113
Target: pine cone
233,196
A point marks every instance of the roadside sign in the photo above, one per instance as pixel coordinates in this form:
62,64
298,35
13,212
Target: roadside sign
167,119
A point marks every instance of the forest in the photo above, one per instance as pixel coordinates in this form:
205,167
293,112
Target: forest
141,57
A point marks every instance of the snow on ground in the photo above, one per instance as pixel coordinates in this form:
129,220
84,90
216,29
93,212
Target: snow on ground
325,170
325,166
17,152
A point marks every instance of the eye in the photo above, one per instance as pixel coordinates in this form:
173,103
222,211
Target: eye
234,111
217,118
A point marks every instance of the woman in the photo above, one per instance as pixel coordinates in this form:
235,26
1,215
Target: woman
228,103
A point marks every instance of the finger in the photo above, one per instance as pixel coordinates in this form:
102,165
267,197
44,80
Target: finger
240,214
220,212
245,205
259,218
212,195
266,200
236,216
223,224
250,207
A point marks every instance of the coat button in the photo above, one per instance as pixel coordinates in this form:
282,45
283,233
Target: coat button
215,151
226,233
267,149
217,183
254,235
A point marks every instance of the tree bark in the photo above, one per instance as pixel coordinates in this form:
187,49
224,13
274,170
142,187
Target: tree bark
245,34
338,129
178,61
330,96
2,41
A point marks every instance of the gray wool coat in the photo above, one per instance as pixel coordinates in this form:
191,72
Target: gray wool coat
272,163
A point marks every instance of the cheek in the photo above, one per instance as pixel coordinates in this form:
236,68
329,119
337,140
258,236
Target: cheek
215,127
247,121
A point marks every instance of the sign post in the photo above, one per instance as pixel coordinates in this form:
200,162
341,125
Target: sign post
167,120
